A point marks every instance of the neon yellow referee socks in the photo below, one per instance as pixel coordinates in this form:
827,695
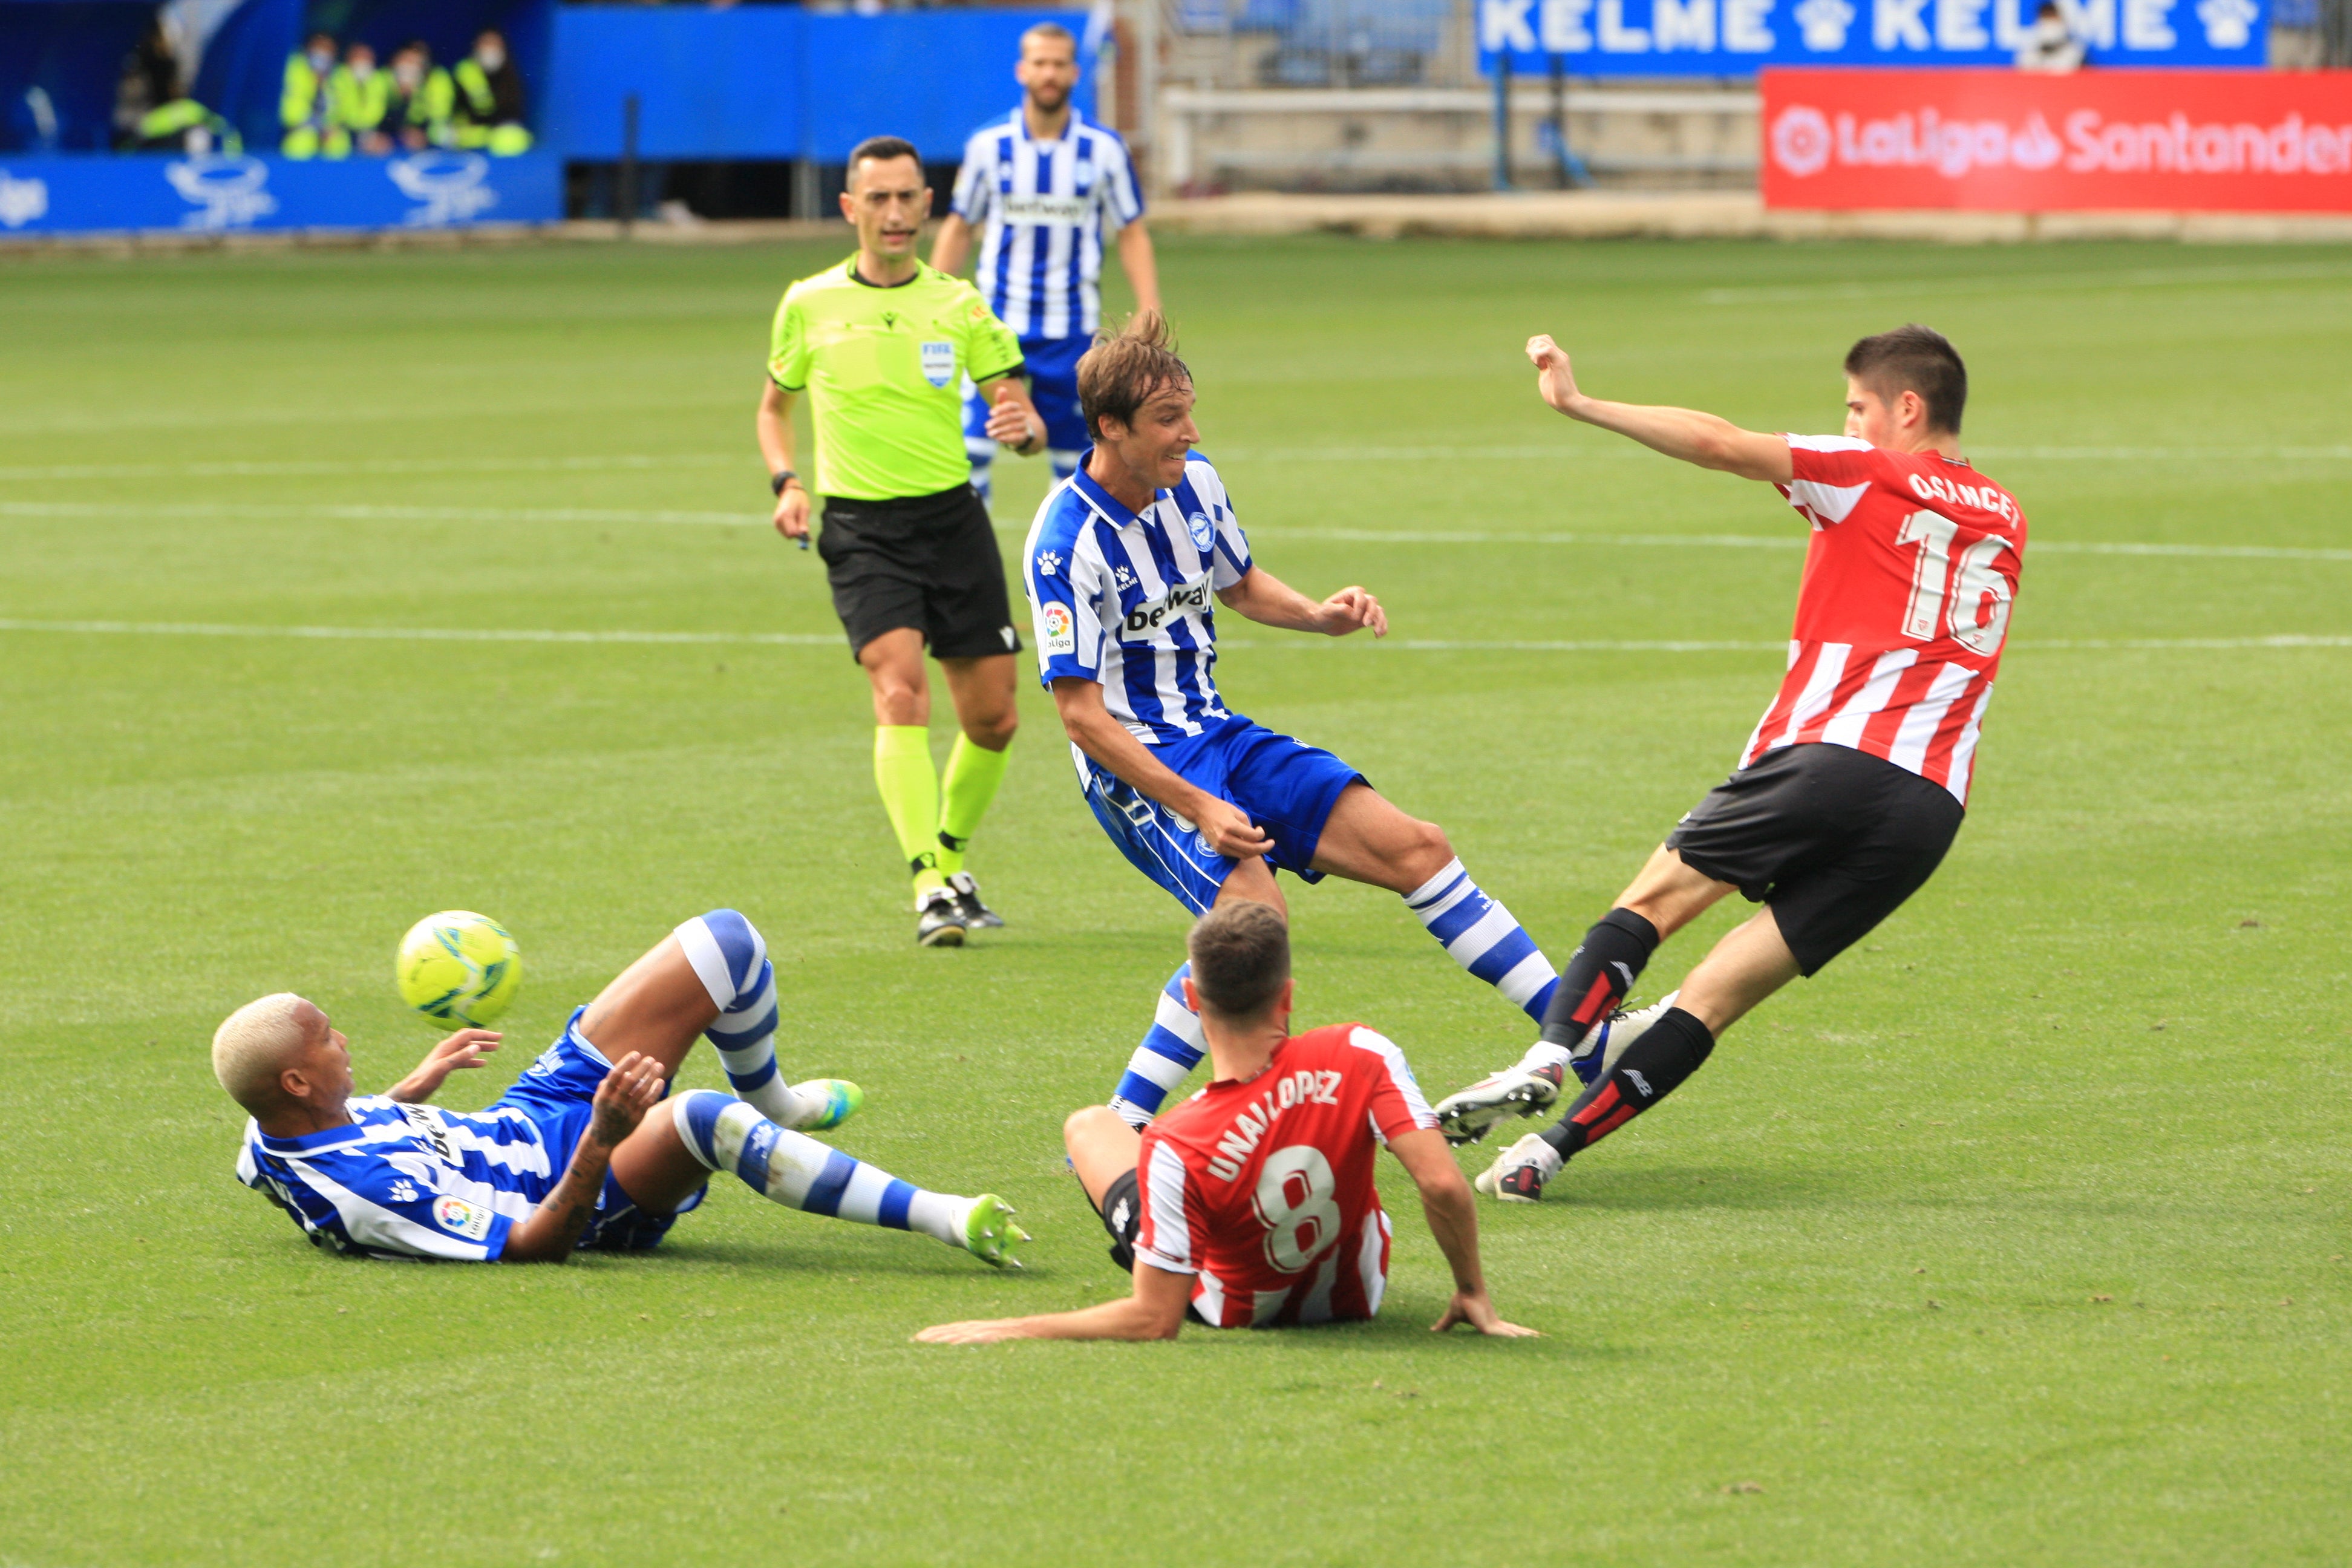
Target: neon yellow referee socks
910,793
973,773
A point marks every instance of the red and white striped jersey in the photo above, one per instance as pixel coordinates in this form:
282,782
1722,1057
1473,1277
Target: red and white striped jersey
1263,1191
1904,607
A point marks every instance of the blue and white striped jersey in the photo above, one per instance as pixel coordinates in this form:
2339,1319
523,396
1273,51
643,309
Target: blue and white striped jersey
406,1181
1126,599
1046,206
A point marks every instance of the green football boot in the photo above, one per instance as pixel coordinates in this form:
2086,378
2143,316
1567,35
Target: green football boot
841,1101
989,1233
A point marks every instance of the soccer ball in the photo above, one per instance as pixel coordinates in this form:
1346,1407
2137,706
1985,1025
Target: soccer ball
458,967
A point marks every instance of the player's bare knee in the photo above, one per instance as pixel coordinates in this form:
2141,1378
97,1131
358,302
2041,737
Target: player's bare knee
991,731
1430,850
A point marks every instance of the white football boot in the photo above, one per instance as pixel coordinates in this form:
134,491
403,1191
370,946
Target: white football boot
1625,1028
1519,1171
1467,1115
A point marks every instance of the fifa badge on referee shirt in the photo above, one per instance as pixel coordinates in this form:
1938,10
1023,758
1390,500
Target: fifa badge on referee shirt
938,363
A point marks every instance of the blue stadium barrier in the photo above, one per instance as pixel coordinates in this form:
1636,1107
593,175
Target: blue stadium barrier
69,193
776,82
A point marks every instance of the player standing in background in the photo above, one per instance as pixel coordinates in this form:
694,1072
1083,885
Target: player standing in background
881,343
1121,562
1856,779
1046,185
1251,1204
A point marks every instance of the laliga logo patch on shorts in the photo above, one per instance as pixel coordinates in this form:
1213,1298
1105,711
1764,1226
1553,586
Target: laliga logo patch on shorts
459,1217
938,363
1055,633
1202,531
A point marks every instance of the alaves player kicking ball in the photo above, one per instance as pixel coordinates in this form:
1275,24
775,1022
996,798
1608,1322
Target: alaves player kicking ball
1855,780
1122,565
575,1155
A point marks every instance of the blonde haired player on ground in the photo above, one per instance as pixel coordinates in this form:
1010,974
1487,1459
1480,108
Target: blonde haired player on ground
1252,1204
881,345
1857,778
579,1154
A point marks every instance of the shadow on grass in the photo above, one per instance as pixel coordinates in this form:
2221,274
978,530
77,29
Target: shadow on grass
1694,1187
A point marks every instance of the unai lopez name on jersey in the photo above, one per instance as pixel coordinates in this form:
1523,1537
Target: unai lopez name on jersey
1250,1123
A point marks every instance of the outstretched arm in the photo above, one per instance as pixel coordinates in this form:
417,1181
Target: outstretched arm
1454,1220
466,1048
628,1091
1156,1311
1705,440
1269,601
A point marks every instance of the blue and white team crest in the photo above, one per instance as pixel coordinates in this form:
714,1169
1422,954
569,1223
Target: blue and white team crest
938,363
1201,530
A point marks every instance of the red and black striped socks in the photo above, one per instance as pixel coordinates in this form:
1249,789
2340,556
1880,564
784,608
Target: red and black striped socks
1652,1066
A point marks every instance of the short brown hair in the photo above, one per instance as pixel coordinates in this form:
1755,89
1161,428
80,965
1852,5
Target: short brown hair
1914,359
1051,33
1122,371
881,149
1240,956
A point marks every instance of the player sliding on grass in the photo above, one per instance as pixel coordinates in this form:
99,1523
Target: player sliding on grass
1121,566
1251,1204
1857,778
568,1158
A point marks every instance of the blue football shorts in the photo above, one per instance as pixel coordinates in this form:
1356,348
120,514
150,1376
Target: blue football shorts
557,1092
1286,785
1053,368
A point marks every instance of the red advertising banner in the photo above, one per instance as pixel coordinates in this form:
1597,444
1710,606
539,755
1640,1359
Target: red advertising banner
1997,140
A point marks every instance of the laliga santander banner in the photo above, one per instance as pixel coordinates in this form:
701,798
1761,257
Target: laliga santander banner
2002,141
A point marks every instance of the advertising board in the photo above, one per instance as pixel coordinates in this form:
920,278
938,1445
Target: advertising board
1999,141
1737,37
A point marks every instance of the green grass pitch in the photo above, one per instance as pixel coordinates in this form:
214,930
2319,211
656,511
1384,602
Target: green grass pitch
2018,1236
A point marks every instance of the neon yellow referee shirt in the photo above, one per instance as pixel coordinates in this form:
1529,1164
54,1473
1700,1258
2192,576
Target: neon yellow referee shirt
884,369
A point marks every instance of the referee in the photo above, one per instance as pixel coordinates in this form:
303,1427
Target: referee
881,343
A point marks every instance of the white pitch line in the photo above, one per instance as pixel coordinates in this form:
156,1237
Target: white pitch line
1785,542
811,639
372,513
2135,277
330,468
416,634
1780,542
302,468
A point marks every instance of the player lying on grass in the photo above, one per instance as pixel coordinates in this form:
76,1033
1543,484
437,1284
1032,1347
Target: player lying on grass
1855,781
569,1157
1251,1204
1121,564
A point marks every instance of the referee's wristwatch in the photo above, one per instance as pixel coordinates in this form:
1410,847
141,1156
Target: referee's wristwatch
777,482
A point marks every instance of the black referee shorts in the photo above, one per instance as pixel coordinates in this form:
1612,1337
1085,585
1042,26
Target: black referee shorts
925,563
1832,838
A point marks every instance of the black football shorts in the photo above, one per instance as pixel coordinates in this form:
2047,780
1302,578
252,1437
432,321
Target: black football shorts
1833,839
928,563
1122,1215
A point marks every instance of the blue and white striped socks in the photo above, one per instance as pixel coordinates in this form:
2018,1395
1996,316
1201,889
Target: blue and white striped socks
1483,939
796,1170
1479,932
1170,1051
730,958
